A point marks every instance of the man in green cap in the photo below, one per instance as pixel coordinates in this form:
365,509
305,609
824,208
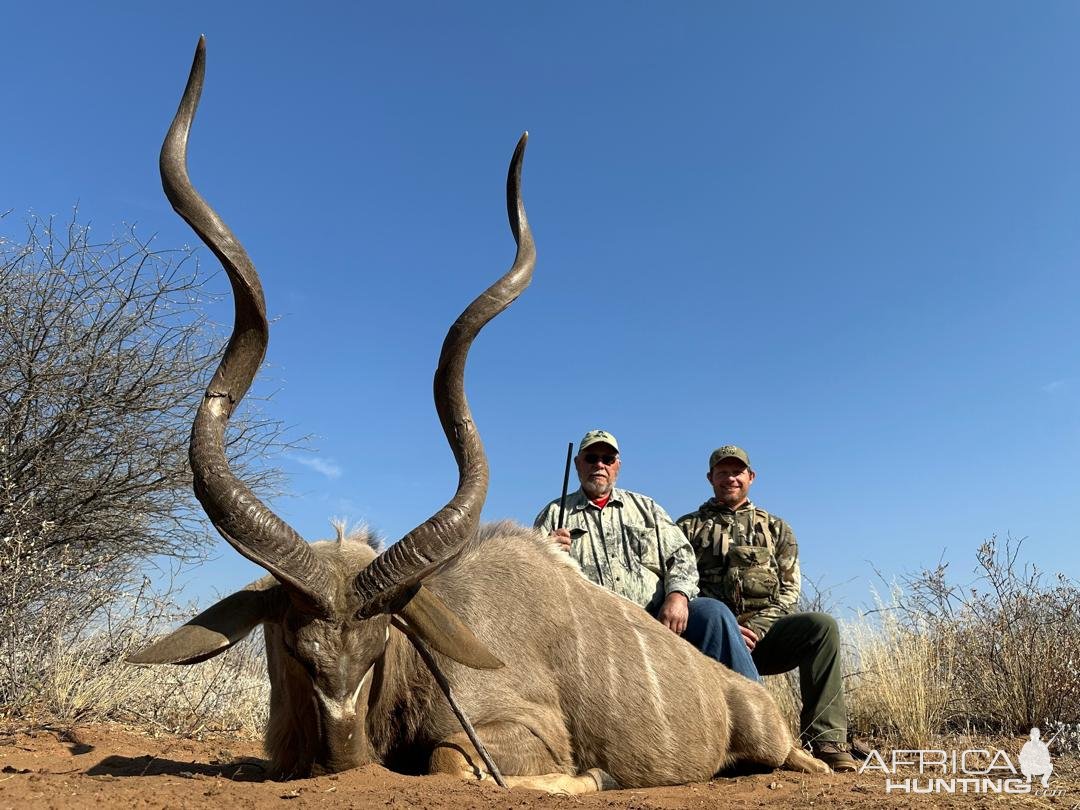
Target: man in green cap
748,559
626,542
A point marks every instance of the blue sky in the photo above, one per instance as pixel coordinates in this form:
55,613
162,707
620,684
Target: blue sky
841,234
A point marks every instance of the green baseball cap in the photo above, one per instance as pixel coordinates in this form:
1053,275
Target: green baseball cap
596,437
728,451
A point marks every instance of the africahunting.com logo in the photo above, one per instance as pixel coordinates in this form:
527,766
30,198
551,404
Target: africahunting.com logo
974,770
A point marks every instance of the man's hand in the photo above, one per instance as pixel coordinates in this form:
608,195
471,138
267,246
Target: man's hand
675,612
562,537
749,636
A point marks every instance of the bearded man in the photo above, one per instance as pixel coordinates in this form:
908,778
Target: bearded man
626,542
748,559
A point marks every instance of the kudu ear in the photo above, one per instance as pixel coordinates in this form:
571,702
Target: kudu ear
213,631
427,618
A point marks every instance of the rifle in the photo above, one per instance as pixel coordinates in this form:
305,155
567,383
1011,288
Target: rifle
565,484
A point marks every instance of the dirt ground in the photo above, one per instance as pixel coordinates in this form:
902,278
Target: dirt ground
116,767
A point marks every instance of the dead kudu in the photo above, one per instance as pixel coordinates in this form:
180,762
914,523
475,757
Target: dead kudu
570,687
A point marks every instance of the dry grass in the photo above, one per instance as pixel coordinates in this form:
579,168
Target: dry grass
906,687
87,680
59,666
995,656
990,658
229,693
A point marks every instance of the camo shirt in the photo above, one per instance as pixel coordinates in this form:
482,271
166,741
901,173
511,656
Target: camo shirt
617,546
747,559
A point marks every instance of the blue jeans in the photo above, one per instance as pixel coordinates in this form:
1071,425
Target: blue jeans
714,630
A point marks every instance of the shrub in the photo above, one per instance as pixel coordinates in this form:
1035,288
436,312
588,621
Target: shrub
995,656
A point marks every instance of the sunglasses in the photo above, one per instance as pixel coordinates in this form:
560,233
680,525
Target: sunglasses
607,458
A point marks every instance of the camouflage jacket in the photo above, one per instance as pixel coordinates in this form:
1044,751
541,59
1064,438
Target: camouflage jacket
747,559
617,546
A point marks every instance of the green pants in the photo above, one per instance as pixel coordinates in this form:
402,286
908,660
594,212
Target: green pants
811,642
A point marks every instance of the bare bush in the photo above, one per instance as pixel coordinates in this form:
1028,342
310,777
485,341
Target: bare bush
995,656
106,351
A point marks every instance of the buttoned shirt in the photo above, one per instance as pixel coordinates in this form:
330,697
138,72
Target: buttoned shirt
621,545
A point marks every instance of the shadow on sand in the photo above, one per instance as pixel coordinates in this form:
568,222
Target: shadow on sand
239,770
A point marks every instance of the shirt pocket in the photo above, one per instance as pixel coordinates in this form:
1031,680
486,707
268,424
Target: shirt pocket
641,546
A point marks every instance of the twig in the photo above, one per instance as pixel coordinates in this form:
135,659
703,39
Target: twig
444,684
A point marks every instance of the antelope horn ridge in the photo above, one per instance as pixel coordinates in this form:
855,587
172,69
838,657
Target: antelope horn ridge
240,517
392,577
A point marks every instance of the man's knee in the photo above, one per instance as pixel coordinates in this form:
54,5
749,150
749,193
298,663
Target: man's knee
803,636
823,627
713,611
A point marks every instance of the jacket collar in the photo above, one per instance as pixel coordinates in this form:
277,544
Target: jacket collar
712,508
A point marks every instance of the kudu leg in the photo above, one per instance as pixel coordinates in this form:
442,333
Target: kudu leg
759,732
800,760
524,759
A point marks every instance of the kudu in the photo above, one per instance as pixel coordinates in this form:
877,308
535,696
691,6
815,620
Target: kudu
570,687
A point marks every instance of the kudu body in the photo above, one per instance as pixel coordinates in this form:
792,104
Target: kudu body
570,687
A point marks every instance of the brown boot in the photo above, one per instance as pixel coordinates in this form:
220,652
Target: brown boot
860,749
835,755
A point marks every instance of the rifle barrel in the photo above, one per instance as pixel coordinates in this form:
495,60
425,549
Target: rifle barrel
565,484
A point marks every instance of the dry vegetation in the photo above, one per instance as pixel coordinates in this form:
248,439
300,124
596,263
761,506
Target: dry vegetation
994,657
985,659
106,348
77,674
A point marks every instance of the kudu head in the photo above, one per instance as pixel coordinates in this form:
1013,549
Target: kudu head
327,608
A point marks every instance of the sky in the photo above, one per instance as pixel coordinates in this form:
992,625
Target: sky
842,235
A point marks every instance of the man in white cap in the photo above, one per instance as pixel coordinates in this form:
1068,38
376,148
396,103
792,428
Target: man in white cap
626,542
